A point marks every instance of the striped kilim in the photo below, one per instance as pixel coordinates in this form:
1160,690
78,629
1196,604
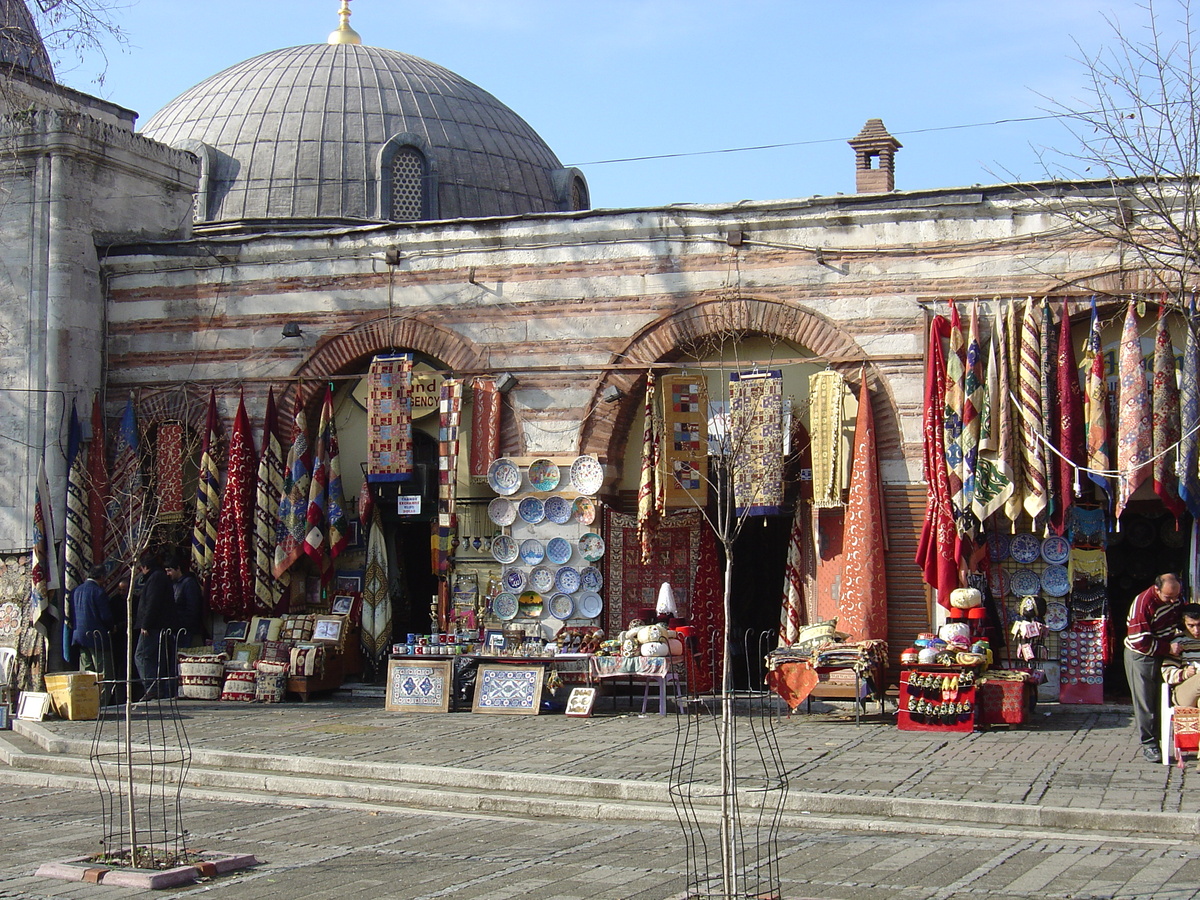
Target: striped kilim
326,514
97,485
646,491
974,402
1164,402
1098,431
826,415
791,612
1189,416
1014,506
449,418
293,498
232,592
1070,439
994,468
1029,387
208,497
125,497
1049,395
1134,430
268,590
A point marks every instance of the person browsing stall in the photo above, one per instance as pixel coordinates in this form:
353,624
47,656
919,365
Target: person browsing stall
1182,668
1152,624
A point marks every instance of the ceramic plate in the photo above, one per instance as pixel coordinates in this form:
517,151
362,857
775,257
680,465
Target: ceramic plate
543,475
591,546
559,550
584,510
541,579
505,606
532,552
567,580
561,606
997,546
589,606
504,549
504,477
530,603
998,580
1025,547
501,511
1056,550
1025,583
1055,581
558,509
513,579
1057,617
590,578
587,474
531,510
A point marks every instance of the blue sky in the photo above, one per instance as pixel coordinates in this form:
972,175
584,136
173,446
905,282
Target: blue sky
605,79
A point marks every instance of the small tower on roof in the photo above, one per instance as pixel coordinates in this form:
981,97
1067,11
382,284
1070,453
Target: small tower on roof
874,158
344,34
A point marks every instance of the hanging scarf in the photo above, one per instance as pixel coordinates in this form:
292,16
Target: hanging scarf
208,484
956,369
1070,441
77,542
1189,415
1029,383
293,499
268,590
937,552
826,411
1165,418
366,505
376,598
646,491
233,567
326,517
994,470
1099,429
974,403
1134,432
1014,506
791,613
449,417
485,427
1048,388
862,612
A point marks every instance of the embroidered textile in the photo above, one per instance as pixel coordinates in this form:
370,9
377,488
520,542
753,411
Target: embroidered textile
937,552
327,529
268,590
791,613
1087,566
684,441
97,486
862,612
293,499
232,591
168,472
389,418
1088,527
485,427
1134,439
756,427
952,421
1029,383
208,485
376,631
994,466
43,565
1014,506
974,401
449,413
826,409
645,498
1165,418
125,498
1099,428
1188,463
1050,424
1070,437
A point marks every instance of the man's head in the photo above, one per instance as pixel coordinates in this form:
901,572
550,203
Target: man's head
1189,615
174,569
1168,586
97,572
148,561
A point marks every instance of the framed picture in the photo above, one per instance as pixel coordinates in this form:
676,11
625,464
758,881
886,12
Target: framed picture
328,629
419,685
262,630
342,604
348,582
33,706
581,701
353,535
247,653
494,640
512,690
5,712
236,631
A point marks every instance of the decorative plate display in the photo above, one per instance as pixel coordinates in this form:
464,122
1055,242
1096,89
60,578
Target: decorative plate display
532,552
590,578
998,543
543,475
584,510
998,581
558,550
567,580
558,509
1055,581
505,606
587,474
541,579
591,546
501,511
504,549
1025,583
561,606
1057,617
1025,547
504,477
513,579
1056,550
531,604
589,606
531,510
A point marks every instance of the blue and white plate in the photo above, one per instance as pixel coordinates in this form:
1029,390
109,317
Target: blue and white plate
501,511
1057,617
1055,581
543,475
1056,550
532,552
505,606
541,579
504,549
590,578
1025,547
558,509
561,606
531,510
513,580
558,550
1025,583
504,477
998,543
591,546
589,605
567,580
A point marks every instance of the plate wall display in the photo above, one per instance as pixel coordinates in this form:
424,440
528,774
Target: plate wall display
998,543
561,606
505,606
589,605
567,580
558,550
558,509
1057,617
531,510
1056,550
501,511
1025,583
587,475
543,475
513,580
591,546
584,510
532,552
1055,581
998,581
504,477
541,579
1025,547
590,578
530,603
504,549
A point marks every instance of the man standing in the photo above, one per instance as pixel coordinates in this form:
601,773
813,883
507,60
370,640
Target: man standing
1153,620
1182,668
155,619
189,605
93,624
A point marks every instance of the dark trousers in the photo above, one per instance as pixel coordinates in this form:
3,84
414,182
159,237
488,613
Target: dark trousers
1145,684
152,656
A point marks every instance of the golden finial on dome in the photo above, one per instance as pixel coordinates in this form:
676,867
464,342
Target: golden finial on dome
344,34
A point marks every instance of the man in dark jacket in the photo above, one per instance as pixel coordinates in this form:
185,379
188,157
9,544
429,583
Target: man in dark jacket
189,605
92,624
155,619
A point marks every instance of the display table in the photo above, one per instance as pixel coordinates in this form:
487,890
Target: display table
661,669
799,680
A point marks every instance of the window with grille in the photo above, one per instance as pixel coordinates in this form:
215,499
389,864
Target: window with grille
408,177
579,196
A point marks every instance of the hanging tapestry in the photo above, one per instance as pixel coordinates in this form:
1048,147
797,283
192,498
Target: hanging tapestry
826,409
1095,405
168,472
376,598
937,552
1188,461
1014,506
756,429
684,441
1134,433
268,590
327,528
449,412
952,422
232,591
862,611
1029,384
1049,395
645,497
1165,418
76,549
974,402
1070,439
994,467
43,564
791,613
293,499
125,500
485,427
684,554
97,485
389,418
208,485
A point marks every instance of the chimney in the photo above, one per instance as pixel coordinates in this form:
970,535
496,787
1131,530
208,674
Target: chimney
874,158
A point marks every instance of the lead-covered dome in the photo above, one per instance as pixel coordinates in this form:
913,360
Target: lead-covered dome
344,132
21,46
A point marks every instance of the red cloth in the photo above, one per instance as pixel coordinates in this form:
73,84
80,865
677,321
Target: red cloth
168,466
1069,437
937,552
863,607
485,427
1003,702
232,584
1165,415
793,682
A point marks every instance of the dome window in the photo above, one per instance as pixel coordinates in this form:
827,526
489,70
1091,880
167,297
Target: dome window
579,194
407,193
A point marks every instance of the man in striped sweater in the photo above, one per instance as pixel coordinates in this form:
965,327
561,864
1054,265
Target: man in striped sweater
1152,624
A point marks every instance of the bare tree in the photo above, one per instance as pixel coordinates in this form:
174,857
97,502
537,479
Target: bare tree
76,29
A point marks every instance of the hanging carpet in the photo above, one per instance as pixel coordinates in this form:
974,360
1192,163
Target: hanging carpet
376,598
389,418
756,431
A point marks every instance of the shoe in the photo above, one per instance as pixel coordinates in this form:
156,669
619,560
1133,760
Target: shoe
1152,753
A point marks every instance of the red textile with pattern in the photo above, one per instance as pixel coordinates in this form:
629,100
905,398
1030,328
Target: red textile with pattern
485,427
168,467
232,584
1003,702
863,606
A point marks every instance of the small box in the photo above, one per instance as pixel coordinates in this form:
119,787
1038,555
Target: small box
74,695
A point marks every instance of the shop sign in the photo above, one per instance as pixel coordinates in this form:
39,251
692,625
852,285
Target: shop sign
408,504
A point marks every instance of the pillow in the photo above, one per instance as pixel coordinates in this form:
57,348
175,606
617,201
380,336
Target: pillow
296,628
309,661
247,653
239,685
264,629
275,651
272,681
201,676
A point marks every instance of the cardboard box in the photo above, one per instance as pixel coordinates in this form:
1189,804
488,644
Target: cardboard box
74,695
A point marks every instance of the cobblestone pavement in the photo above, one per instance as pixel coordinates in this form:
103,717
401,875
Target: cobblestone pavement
336,853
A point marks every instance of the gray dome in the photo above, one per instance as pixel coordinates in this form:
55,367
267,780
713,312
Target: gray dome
21,46
305,132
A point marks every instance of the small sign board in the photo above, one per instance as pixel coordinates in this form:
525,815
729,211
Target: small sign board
408,504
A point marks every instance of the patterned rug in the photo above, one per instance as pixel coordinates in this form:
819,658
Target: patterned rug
168,472
389,418
756,426
684,447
